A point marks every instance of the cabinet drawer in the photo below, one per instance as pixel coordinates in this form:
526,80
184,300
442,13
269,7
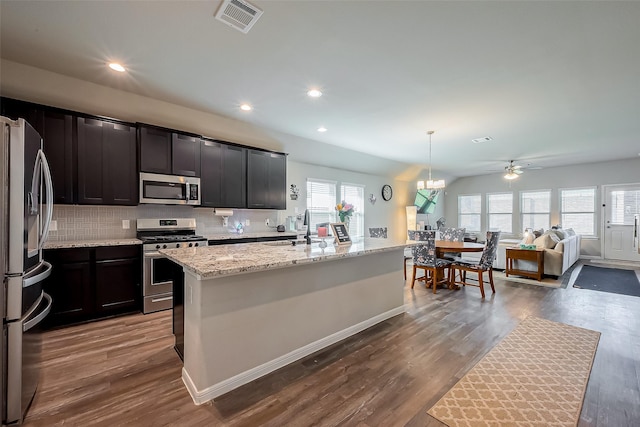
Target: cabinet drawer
58,256
118,252
158,302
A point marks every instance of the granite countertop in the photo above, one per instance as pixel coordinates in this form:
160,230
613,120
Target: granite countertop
213,261
250,235
66,244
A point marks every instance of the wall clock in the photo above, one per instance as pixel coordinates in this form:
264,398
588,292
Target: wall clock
387,192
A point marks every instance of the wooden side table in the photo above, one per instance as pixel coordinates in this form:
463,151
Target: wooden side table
535,255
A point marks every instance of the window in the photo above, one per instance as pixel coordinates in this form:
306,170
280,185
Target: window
535,207
469,211
624,205
499,211
578,210
321,202
354,194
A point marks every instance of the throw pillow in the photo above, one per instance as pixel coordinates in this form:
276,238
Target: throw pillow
538,233
545,242
570,232
559,233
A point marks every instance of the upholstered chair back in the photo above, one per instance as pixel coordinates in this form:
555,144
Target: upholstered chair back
452,234
421,235
378,232
425,253
490,250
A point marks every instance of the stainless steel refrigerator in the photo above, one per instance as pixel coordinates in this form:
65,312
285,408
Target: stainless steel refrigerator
26,198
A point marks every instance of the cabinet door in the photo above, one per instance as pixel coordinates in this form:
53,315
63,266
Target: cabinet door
266,180
211,174
56,130
257,179
120,164
277,181
91,173
69,286
234,177
155,150
186,155
106,163
117,286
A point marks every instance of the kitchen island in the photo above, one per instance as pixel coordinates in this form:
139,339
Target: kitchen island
250,309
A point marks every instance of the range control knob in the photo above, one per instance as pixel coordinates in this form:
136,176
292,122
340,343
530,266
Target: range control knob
190,245
157,246
164,246
177,245
196,244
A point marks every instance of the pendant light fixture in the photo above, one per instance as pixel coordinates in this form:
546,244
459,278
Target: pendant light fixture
431,184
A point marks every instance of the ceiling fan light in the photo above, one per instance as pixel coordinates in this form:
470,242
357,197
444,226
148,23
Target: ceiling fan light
420,185
511,175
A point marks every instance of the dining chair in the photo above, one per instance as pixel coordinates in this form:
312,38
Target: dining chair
484,264
452,235
378,232
424,257
413,235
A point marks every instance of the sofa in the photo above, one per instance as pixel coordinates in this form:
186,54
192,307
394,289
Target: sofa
561,251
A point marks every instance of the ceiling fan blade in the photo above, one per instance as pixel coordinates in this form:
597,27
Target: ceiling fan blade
517,171
517,166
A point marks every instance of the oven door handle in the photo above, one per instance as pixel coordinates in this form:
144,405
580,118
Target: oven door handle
153,255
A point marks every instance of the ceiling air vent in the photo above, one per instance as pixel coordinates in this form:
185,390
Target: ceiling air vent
239,14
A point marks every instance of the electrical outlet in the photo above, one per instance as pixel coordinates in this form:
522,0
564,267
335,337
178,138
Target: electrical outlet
247,222
53,226
125,224
266,222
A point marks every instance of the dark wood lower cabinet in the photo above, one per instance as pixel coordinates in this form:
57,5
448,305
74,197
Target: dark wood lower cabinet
91,283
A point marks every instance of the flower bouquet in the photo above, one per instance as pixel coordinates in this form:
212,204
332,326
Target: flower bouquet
345,210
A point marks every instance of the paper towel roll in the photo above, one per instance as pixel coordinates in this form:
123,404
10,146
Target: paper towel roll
223,212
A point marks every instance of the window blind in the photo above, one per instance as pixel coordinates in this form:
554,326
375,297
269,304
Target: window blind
354,194
321,202
535,207
469,211
624,205
500,212
577,210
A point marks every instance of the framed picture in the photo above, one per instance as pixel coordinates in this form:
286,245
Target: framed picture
340,232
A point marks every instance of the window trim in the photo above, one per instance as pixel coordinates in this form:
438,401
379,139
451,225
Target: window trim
594,212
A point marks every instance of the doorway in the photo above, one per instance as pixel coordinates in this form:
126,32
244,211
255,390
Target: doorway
621,204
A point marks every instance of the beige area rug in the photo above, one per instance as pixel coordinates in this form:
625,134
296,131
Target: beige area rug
536,376
548,282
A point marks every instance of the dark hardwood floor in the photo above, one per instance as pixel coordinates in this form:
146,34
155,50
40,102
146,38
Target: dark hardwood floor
124,371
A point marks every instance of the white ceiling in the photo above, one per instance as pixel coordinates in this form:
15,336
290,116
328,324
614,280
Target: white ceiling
553,83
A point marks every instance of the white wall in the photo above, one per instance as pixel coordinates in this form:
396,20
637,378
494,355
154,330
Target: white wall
586,175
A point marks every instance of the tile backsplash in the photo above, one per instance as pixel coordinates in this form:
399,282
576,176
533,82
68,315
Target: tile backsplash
75,222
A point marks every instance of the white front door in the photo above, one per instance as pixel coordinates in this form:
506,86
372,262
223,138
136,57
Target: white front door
622,202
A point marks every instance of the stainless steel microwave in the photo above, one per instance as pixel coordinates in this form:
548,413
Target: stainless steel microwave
169,189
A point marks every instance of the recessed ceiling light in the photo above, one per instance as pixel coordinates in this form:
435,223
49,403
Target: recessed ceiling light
481,140
117,67
322,129
246,107
314,93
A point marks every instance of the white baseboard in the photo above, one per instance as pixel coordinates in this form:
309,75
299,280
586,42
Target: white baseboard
201,396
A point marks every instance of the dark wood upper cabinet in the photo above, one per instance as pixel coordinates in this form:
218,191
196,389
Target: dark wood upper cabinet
56,130
107,172
185,155
266,180
223,175
169,153
155,150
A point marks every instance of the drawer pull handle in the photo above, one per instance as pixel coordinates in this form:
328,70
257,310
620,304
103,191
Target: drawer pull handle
161,299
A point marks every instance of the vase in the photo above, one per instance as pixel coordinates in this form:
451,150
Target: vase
346,222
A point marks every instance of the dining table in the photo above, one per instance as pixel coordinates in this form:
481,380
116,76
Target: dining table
447,246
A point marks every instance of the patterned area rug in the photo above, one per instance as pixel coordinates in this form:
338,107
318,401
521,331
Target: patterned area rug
549,282
536,376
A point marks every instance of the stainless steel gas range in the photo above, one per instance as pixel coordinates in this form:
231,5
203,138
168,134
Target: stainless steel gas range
158,272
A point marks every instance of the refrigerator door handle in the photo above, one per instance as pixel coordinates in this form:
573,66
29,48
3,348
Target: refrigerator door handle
39,277
33,322
49,196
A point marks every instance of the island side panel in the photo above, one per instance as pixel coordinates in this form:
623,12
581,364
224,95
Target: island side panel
234,324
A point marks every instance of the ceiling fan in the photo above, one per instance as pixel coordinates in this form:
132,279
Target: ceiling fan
512,171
